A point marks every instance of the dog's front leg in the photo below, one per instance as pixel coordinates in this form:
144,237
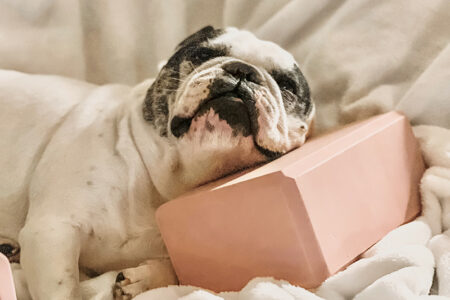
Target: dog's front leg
50,252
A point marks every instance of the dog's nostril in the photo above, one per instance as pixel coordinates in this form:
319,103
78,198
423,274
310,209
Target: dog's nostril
243,71
180,126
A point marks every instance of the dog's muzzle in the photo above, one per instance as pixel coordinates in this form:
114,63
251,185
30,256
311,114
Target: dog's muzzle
231,97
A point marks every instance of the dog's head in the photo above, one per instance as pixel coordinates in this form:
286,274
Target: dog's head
228,100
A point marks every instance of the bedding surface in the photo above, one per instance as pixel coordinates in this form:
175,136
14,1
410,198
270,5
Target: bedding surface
360,57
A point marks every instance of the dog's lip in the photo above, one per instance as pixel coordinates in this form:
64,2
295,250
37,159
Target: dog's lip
229,96
180,125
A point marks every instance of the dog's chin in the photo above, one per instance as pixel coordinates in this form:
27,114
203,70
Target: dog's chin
218,144
229,109
222,116
220,122
212,129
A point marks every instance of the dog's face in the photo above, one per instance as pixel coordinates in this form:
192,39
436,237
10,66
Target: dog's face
228,100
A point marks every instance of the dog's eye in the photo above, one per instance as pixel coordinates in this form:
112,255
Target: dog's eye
285,82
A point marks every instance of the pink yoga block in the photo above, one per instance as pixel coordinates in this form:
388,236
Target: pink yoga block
7,291
302,217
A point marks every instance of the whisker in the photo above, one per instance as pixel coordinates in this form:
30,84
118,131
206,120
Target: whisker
177,80
193,67
169,90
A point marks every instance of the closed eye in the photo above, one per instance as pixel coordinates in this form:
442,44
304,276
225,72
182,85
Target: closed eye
288,86
285,82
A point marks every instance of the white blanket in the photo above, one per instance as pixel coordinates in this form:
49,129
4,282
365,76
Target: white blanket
361,57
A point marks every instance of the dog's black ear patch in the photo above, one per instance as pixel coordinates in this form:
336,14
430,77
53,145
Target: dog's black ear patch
200,36
163,89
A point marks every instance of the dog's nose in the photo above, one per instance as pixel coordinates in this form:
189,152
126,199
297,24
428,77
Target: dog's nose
242,70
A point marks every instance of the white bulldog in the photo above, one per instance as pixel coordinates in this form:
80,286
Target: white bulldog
83,167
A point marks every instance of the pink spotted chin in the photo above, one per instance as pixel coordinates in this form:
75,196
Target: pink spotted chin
210,126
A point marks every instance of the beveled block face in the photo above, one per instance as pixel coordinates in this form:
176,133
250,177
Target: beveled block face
302,217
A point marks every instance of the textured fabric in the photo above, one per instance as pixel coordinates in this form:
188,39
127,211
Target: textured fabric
361,57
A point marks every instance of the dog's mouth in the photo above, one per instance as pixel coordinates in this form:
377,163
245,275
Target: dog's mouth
228,107
234,105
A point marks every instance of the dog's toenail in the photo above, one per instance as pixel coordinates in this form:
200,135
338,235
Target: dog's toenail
120,277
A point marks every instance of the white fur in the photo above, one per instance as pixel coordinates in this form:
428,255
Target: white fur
82,172
246,46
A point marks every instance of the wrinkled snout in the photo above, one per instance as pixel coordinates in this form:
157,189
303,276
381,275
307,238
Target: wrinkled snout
230,97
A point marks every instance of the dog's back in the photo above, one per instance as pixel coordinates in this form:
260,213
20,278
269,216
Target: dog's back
31,109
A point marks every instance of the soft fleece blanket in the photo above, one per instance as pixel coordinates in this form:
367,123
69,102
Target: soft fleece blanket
361,58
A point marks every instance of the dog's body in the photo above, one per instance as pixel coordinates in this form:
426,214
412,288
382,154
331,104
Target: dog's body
83,168
72,158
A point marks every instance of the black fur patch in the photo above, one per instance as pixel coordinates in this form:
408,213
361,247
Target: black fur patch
233,112
180,126
201,36
193,51
295,91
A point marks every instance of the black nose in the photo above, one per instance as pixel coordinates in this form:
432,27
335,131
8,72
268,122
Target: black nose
241,70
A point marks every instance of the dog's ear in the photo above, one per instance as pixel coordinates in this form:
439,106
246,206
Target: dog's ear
200,36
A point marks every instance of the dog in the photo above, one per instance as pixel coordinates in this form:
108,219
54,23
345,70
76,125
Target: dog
84,167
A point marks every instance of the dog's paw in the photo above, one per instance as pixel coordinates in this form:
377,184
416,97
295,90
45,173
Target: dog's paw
121,289
153,274
10,249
